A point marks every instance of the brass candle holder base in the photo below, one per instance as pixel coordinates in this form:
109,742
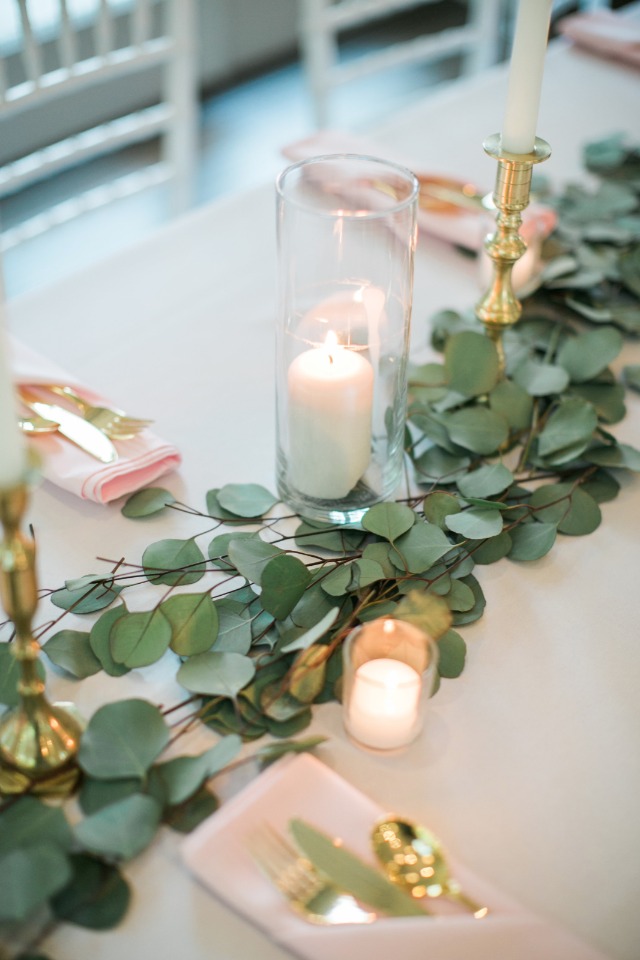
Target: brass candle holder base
499,309
38,740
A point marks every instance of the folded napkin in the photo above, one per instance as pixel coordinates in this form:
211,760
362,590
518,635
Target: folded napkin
141,460
606,33
218,854
464,228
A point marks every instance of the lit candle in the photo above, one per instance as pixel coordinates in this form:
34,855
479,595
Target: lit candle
383,709
525,76
12,451
330,409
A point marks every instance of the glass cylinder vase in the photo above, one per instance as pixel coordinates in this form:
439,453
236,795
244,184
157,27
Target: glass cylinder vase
388,671
346,242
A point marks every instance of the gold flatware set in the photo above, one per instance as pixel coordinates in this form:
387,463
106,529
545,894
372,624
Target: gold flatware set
413,863
90,427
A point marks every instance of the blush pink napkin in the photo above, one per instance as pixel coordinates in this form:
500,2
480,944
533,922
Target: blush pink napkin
304,787
465,229
606,33
141,460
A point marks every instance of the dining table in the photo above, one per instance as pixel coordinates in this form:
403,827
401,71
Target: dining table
528,765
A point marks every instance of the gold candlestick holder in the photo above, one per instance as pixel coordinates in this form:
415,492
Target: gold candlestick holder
499,309
38,740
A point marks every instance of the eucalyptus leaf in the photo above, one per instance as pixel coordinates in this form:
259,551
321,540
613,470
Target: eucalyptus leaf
97,896
573,510
218,549
541,379
193,619
308,673
216,674
29,876
147,502
121,830
351,874
460,596
183,776
273,751
620,455
139,639
476,523
487,481
297,640
339,580
452,652
530,541
469,616
389,520
284,579
86,594
492,549
187,816
246,499
478,429
571,423
421,547
174,562
122,739
631,376
100,640
96,794
438,465
607,399
234,628
70,650
471,363
438,505
588,354
250,557
29,822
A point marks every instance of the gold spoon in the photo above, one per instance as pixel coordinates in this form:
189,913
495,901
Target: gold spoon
413,858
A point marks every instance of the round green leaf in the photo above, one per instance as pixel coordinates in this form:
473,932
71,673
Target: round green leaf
513,403
299,640
216,674
471,363
487,481
452,652
284,580
572,423
70,649
477,429
29,822
491,550
532,540
368,571
29,876
138,639
631,376
122,740
541,379
121,830
100,640
620,455
476,523
182,559
308,673
588,354
337,583
250,557
86,594
218,549
438,505
420,548
571,509
246,499
389,520
468,616
183,776
96,794
607,398
602,486
460,596
97,896
438,465
146,502
234,628
193,619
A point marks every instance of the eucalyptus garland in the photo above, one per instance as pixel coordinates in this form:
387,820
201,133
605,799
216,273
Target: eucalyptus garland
498,468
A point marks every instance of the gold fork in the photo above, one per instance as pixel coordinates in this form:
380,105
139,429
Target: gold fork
115,423
316,899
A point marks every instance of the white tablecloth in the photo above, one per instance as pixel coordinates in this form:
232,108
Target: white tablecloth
529,766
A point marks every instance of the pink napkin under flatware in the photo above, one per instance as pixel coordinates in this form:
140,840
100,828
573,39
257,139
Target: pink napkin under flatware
218,854
462,227
606,33
141,460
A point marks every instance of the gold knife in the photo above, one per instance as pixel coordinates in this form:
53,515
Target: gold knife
79,431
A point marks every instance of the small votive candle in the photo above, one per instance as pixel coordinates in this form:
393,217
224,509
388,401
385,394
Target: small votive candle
387,664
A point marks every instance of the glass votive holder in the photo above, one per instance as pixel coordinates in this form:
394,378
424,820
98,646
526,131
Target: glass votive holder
346,239
388,672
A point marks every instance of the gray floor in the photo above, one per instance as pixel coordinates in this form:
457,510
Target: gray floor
242,131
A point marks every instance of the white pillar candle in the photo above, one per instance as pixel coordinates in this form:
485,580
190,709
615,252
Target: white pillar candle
525,76
12,450
330,409
383,709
